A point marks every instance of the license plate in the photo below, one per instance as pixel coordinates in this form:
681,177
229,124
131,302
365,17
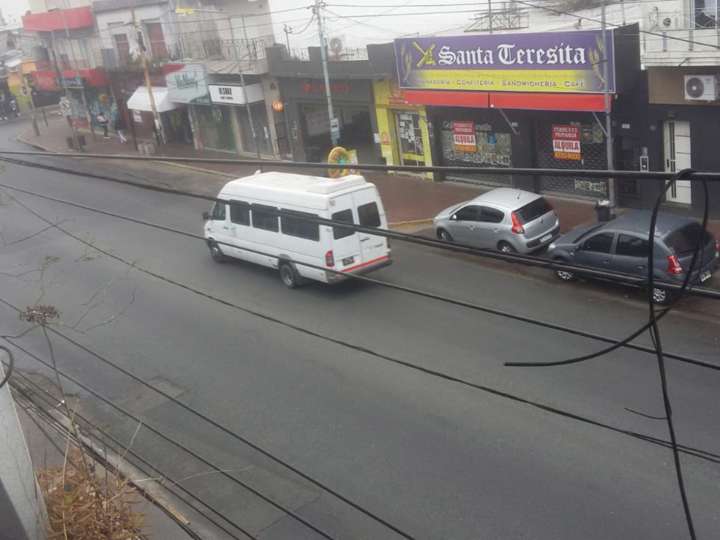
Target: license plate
705,276
348,260
546,237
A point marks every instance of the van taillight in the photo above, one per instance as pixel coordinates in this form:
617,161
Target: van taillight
517,227
329,259
674,265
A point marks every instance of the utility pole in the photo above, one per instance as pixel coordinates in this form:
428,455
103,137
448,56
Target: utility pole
490,17
334,126
612,192
148,83
61,80
28,91
244,88
288,30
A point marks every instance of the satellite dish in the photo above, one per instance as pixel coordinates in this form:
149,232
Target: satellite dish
336,45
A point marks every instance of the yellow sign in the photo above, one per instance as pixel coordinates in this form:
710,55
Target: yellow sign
341,156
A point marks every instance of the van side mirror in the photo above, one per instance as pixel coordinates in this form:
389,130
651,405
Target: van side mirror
206,216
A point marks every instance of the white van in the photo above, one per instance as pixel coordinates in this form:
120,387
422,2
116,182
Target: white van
248,230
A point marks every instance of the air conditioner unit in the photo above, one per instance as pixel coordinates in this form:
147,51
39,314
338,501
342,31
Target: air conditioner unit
701,88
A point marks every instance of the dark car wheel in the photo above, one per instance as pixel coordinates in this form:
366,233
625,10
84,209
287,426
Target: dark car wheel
445,236
288,275
563,275
506,248
661,296
216,253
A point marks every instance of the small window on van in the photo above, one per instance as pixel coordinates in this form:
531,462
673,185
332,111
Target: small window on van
299,227
368,215
240,213
264,217
344,216
218,211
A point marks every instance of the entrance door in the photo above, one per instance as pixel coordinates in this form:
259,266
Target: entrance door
410,143
676,137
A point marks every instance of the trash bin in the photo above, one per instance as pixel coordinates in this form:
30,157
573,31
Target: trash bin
603,210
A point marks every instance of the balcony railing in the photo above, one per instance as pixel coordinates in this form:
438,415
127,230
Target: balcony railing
199,48
676,38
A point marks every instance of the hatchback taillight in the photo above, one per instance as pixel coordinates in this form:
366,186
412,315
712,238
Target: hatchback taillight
517,226
674,267
717,248
329,259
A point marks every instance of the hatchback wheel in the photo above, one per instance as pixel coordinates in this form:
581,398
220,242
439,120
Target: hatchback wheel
660,296
506,248
288,275
444,235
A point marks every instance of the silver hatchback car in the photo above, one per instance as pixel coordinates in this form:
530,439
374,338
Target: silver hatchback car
510,220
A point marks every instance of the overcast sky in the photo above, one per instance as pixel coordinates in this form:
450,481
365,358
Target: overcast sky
369,21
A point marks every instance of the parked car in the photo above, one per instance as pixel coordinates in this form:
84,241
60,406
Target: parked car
621,245
250,228
510,220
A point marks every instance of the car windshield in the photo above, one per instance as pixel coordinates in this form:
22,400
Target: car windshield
684,240
532,211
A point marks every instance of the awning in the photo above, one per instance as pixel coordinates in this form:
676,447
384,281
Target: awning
140,101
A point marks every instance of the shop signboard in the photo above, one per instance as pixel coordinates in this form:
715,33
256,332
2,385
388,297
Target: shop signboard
464,139
235,95
566,142
551,62
188,85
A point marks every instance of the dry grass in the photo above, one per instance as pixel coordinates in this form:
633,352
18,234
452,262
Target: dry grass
82,505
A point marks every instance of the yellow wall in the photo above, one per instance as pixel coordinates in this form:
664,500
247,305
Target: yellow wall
386,91
15,84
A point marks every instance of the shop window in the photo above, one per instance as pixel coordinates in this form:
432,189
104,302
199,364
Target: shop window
261,140
705,13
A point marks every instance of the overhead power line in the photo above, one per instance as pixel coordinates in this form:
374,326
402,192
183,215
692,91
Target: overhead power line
702,454
45,404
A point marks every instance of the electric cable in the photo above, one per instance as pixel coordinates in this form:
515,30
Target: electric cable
358,277
528,260
10,366
119,448
179,445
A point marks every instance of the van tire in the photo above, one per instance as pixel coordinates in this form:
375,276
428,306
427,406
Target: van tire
288,275
216,253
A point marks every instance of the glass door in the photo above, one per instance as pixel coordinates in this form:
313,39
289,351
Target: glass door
410,141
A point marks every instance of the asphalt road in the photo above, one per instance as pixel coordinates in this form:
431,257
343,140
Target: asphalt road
436,458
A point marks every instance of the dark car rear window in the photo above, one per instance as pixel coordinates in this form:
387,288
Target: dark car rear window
684,240
532,211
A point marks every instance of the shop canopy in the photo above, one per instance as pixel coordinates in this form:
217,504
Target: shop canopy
140,100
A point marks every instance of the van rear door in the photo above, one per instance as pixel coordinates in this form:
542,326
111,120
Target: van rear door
345,242
370,214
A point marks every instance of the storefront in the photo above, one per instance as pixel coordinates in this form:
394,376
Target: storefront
239,105
516,100
174,119
193,120
403,128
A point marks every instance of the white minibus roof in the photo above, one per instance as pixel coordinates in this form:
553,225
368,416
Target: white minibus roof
295,183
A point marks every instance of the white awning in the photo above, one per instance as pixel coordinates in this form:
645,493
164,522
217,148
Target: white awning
140,100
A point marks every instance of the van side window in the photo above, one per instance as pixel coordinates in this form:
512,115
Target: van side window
240,213
218,211
344,216
368,215
264,217
301,228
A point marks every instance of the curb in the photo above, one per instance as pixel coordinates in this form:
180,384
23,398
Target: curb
411,223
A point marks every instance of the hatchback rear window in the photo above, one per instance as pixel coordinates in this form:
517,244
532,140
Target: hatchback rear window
368,215
683,241
532,211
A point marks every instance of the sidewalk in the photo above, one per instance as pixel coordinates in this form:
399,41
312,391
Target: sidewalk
410,202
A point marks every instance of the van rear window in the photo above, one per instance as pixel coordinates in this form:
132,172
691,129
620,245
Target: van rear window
344,216
683,241
532,211
264,217
299,227
368,215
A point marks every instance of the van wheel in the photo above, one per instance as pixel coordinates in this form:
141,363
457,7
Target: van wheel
661,296
506,248
443,235
288,275
216,253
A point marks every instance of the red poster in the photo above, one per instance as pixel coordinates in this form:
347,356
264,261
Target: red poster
566,142
464,137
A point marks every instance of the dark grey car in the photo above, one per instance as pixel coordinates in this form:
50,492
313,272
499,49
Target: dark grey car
621,245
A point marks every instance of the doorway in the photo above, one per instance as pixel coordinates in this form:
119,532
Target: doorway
676,142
